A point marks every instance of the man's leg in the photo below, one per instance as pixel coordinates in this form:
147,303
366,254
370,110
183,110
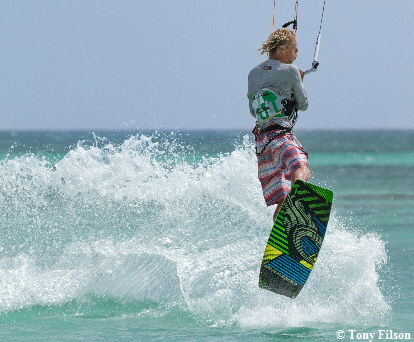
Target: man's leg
303,173
279,205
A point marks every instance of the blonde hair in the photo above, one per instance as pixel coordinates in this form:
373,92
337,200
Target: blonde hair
280,37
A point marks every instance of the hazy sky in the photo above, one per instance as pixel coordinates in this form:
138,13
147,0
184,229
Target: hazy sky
183,64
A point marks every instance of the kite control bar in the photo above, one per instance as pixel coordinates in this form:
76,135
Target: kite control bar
294,22
315,62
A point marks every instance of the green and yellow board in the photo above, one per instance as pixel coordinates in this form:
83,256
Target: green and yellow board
295,239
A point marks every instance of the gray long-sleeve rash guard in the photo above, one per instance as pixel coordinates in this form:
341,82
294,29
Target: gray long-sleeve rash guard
283,81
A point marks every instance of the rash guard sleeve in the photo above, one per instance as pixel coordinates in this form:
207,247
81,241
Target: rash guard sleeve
299,92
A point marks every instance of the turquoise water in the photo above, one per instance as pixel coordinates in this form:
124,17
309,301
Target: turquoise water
151,236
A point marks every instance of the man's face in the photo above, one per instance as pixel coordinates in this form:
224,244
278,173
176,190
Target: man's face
289,52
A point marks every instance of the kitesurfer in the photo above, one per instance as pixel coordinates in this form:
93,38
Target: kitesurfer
276,93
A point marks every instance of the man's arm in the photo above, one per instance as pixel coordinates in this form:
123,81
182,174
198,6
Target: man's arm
299,92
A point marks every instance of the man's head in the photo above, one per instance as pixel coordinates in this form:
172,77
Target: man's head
281,45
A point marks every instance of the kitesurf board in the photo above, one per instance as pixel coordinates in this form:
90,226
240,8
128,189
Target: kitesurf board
295,239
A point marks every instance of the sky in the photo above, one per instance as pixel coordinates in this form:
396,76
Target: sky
183,64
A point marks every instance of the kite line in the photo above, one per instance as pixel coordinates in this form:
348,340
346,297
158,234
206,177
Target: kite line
294,22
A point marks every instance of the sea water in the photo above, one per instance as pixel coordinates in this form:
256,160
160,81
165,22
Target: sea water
153,236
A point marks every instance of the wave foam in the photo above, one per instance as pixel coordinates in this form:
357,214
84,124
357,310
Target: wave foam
145,222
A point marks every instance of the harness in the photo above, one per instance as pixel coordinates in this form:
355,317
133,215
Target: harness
282,130
266,106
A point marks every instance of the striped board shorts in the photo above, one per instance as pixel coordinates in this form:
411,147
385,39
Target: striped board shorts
277,164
